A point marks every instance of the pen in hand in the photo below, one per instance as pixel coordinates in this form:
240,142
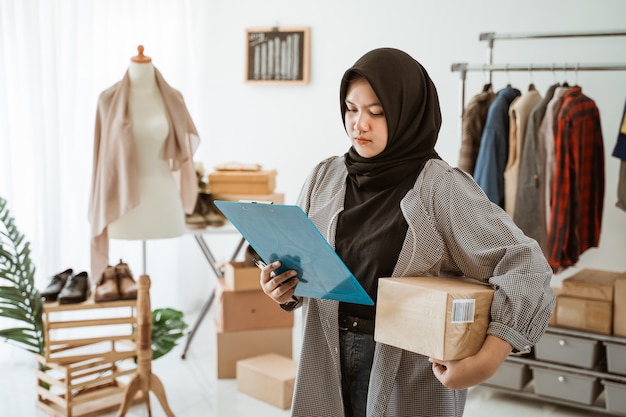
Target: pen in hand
260,264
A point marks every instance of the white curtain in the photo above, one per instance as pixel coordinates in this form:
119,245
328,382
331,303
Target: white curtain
56,56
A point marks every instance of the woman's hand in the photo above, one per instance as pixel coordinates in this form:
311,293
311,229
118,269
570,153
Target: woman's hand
475,369
279,288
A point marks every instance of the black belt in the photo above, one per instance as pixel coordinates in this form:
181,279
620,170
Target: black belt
355,324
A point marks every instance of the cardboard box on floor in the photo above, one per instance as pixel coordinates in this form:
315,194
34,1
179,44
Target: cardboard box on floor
441,317
269,377
234,346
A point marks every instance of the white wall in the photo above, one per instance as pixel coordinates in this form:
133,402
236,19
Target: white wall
291,128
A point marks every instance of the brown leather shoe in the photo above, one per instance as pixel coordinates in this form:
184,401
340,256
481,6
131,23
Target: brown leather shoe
126,283
107,289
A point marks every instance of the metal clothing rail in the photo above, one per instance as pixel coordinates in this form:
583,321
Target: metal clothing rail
490,67
464,68
491,37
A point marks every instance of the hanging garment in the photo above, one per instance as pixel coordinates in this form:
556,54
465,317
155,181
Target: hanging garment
494,146
472,125
115,188
546,139
519,112
530,210
578,187
620,152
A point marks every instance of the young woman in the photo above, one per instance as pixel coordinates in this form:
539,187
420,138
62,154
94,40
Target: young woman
391,207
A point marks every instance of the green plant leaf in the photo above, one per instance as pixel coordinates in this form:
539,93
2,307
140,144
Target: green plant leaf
19,299
167,327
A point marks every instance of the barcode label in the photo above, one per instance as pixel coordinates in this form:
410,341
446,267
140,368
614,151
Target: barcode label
463,311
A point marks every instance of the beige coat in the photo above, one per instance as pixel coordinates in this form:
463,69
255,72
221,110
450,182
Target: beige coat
114,186
453,228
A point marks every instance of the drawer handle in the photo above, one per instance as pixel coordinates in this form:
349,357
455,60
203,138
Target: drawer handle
561,379
562,342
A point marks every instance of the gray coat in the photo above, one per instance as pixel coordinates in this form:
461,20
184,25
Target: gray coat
453,229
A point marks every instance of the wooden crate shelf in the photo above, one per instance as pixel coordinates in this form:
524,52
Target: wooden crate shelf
90,357
75,332
84,388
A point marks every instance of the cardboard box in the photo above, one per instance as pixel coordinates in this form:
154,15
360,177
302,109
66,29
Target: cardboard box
439,317
584,314
234,346
619,308
248,310
592,284
242,182
238,276
269,378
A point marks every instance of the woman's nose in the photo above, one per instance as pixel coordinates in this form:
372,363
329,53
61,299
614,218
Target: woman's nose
360,123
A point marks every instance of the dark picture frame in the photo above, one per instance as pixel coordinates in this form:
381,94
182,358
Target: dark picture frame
277,55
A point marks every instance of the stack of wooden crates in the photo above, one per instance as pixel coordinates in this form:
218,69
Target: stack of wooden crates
89,357
241,182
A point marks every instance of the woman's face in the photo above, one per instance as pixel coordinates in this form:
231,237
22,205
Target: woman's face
365,120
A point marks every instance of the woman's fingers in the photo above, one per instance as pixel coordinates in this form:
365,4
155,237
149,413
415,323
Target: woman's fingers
279,287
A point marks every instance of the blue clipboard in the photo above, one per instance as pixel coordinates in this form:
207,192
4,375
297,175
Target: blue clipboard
285,233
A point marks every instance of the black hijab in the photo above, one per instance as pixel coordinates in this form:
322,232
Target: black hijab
371,229
411,105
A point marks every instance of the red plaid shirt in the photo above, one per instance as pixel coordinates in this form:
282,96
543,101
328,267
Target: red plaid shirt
578,183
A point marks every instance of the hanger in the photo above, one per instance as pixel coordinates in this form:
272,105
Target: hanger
508,77
487,86
565,84
531,86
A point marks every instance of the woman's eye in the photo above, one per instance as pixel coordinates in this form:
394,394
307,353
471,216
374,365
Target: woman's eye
350,110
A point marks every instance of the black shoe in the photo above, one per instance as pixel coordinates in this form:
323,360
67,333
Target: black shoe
76,290
57,283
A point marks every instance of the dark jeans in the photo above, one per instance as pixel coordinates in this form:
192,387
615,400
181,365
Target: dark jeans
357,354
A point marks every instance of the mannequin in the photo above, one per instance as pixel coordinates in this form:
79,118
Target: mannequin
144,179
160,211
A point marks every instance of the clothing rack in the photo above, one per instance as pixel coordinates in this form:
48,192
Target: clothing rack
489,67
491,37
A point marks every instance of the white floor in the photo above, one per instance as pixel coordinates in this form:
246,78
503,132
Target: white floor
193,390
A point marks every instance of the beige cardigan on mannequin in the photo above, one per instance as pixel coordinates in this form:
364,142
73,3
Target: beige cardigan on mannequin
114,188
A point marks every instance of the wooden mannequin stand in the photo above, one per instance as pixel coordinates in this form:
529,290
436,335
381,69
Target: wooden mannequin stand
144,379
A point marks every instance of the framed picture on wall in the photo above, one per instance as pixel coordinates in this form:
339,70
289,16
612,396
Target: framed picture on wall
277,55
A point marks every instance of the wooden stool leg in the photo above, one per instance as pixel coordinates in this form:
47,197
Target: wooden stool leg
144,379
